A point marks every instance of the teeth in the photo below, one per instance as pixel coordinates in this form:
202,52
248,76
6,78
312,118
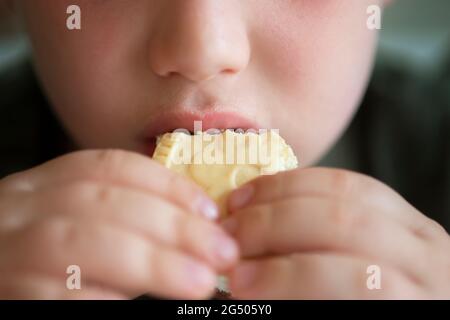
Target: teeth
212,132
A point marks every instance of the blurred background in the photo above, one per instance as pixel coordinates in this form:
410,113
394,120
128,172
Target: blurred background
401,133
416,35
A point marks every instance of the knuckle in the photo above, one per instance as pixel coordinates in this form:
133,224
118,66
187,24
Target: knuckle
282,183
346,220
186,229
424,230
15,182
103,194
39,233
267,216
110,160
50,233
16,212
397,286
91,191
93,164
343,182
430,231
180,225
340,215
174,182
65,233
259,226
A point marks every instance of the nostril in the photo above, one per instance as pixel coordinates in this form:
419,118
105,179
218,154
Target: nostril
229,71
169,74
193,72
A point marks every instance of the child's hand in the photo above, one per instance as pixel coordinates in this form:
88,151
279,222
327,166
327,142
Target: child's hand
132,227
312,233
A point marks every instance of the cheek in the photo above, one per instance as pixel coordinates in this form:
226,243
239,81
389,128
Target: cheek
80,70
319,61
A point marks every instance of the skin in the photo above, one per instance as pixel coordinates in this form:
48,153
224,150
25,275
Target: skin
115,70
266,60
320,229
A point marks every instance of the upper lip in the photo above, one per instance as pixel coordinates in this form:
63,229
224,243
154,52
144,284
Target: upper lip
171,121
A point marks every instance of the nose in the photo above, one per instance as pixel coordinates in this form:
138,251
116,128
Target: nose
199,40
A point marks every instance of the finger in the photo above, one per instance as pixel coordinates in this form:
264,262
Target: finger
335,184
26,286
121,168
316,276
315,224
151,216
107,256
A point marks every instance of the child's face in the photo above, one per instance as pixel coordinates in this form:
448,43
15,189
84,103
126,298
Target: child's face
300,66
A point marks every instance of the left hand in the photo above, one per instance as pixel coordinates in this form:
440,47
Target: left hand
312,233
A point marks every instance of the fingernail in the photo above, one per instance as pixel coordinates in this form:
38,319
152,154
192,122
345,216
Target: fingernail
209,209
199,274
243,277
241,197
230,225
225,248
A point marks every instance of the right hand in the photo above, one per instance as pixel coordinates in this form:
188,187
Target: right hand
132,226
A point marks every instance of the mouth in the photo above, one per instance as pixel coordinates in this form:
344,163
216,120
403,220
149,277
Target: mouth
190,122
